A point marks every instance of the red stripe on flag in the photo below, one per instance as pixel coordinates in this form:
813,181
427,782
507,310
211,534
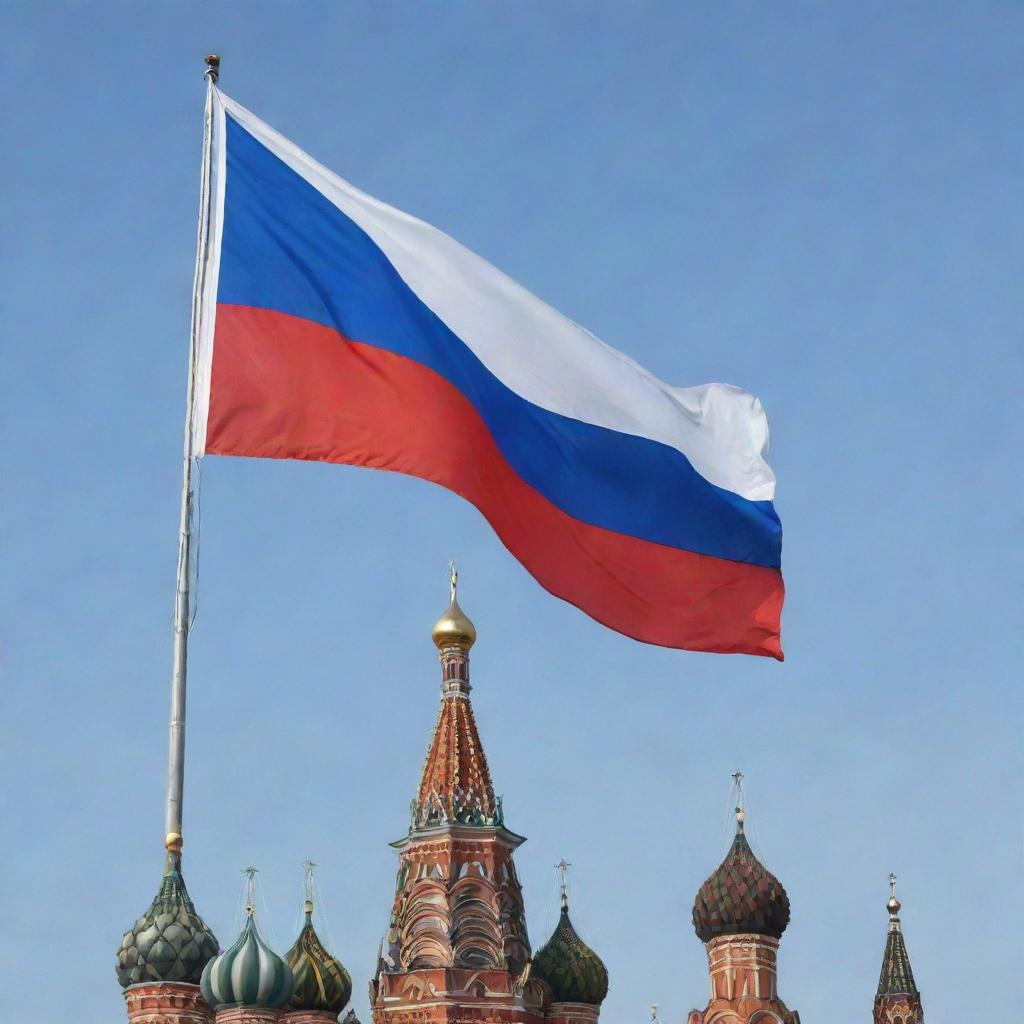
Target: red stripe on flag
287,388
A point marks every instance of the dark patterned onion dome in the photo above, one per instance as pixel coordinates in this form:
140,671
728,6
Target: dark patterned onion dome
169,942
250,973
571,969
741,897
321,983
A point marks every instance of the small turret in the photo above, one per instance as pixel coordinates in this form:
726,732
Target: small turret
897,997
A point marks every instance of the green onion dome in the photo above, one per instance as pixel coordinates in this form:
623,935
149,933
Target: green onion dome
742,897
169,942
321,983
571,969
250,973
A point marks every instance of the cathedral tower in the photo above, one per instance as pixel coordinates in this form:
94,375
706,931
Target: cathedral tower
740,914
897,1000
456,946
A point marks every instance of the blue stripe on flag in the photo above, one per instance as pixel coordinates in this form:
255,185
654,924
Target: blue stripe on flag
286,247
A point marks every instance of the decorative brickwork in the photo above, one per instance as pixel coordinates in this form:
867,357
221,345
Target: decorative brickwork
166,1002
308,1017
247,1015
572,1013
743,982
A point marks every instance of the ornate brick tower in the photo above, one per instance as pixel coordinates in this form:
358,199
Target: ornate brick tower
897,1000
456,944
740,914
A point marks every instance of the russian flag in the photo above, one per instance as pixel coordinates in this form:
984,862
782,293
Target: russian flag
336,328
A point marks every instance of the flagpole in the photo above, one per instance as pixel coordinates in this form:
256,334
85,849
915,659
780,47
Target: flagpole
183,596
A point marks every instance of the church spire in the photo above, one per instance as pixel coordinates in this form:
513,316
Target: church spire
897,998
456,786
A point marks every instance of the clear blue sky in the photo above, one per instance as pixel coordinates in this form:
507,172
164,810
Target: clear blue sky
820,202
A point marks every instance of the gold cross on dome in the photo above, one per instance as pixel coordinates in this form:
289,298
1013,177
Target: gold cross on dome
563,865
453,580
737,781
250,887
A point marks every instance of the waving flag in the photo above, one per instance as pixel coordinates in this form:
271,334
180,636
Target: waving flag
336,328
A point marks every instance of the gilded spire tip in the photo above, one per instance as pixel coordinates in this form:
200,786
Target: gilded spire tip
454,628
892,904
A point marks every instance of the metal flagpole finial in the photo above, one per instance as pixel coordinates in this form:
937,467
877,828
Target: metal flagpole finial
250,889
654,1012
563,865
741,814
212,67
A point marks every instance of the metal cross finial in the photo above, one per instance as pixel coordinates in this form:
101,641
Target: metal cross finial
309,866
737,781
563,865
250,887
453,581
892,885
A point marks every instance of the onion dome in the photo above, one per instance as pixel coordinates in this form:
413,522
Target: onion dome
571,969
454,628
742,897
170,942
321,983
250,973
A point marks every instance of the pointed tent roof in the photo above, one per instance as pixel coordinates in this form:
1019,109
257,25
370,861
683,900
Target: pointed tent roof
896,978
456,782
455,787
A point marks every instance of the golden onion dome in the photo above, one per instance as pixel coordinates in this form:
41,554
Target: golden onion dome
454,629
